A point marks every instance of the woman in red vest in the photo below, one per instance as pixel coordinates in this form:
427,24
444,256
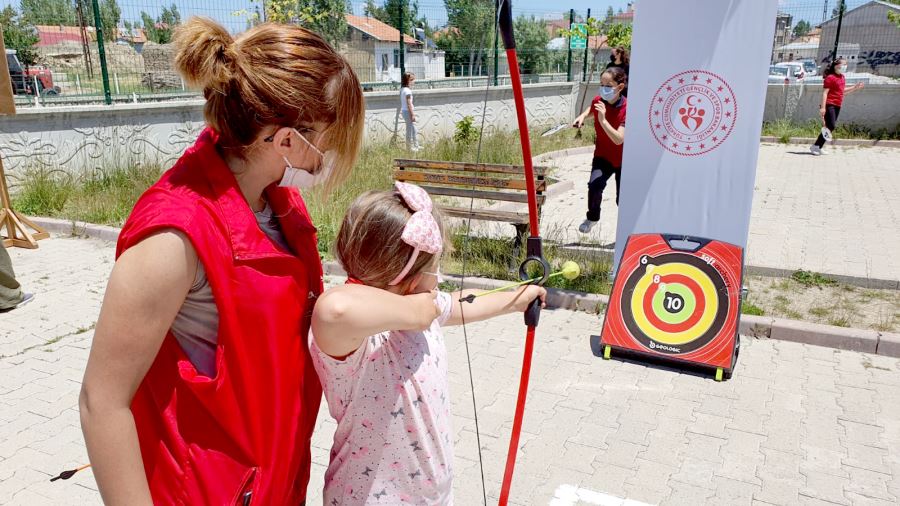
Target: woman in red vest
199,387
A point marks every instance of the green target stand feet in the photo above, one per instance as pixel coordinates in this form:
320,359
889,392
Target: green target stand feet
719,374
607,350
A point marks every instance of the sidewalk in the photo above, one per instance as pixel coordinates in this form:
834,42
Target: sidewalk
797,424
836,214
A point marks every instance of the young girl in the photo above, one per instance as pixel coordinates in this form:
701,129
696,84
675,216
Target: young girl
383,369
406,108
832,98
608,109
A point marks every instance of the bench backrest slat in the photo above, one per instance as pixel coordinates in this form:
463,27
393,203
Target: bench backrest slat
403,163
462,180
449,191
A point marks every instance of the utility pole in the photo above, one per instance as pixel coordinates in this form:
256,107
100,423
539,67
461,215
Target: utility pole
837,36
587,44
101,51
402,42
496,40
569,40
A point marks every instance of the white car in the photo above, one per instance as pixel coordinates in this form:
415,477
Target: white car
780,75
795,68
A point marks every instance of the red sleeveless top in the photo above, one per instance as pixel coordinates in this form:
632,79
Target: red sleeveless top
210,440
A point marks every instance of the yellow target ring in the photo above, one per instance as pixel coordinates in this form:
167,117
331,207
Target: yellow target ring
647,284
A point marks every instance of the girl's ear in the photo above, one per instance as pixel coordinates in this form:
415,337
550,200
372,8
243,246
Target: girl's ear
413,284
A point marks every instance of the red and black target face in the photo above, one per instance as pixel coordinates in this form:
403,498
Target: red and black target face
674,303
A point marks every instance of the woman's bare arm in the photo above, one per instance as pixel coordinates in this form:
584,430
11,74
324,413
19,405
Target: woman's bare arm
146,290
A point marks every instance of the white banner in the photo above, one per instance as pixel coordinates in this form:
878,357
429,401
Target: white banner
695,105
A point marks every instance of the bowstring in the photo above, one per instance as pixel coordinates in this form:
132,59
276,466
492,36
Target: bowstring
465,245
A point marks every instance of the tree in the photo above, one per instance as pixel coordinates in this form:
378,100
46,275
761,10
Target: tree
110,15
325,17
390,14
531,41
619,35
20,35
474,24
160,30
802,28
610,12
893,16
49,12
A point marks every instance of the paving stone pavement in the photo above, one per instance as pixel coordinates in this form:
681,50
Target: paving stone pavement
797,424
827,214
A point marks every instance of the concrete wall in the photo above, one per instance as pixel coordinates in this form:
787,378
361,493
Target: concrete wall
90,137
876,106
83,138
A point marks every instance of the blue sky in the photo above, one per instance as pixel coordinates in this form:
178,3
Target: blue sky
225,10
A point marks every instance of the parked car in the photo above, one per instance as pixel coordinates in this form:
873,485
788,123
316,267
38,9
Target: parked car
26,79
780,75
795,68
810,67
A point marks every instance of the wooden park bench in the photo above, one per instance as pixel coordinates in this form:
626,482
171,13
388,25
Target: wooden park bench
479,181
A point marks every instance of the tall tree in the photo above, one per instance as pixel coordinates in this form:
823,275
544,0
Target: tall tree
802,28
473,21
531,40
610,12
110,15
19,34
325,17
160,30
49,12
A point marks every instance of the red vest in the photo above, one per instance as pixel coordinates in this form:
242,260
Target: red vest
210,440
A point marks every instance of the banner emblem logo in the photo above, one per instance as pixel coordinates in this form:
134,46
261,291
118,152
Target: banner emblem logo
693,112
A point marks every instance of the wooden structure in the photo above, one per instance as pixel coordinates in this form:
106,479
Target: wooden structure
479,181
17,233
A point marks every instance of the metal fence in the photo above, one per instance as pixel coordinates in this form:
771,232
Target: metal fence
88,51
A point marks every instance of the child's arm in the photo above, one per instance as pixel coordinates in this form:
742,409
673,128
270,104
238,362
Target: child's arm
409,105
493,305
346,315
581,117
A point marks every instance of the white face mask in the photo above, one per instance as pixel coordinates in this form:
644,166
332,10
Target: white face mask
303,179
840,69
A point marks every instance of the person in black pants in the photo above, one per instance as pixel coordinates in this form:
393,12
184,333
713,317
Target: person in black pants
608,109
832,98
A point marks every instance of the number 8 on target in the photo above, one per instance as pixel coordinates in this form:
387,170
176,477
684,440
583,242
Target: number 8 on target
677,298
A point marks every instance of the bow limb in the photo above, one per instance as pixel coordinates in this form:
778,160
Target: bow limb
534,247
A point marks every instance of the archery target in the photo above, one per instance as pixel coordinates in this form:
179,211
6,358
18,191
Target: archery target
682,304
675,303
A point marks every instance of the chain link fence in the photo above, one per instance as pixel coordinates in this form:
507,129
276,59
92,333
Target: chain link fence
89,51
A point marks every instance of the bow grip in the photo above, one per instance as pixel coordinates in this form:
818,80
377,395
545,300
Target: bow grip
534,254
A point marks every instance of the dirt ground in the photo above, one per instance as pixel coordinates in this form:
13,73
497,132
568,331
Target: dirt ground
823,301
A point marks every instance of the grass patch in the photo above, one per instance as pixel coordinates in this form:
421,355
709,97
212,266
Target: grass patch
821,312
107,195
785,130
840,321
750,308
104,196
808,278
492,258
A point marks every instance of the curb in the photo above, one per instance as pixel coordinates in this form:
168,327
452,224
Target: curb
761,327
837,142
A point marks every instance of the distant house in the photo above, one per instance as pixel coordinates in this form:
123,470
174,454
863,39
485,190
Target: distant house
373,49
869,41
50,35
136,38
797,51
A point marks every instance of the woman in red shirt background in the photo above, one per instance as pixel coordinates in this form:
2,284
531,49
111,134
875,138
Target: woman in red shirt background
832,99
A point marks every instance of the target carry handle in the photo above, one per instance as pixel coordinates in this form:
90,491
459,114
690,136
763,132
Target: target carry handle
506,24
